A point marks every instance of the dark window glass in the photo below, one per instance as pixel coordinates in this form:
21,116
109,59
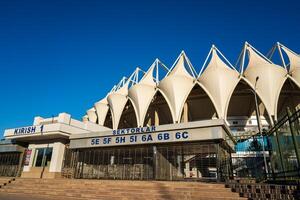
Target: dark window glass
40,156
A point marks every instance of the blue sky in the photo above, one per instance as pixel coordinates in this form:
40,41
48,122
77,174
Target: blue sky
62,56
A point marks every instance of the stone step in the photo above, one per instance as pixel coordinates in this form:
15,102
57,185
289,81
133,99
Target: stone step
141,186
115,189
122,191
50,197
97,191
104,188
116,182
124,195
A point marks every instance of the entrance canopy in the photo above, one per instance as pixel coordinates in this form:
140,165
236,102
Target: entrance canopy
60,127
10,146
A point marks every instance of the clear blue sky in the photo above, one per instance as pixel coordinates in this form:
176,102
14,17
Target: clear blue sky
63,56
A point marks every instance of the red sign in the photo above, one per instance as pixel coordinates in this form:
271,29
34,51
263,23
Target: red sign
27,157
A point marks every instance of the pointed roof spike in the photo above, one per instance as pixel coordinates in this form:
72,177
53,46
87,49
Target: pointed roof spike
175,63
279,46
178,57
294,59
155,66
249,48
148,75
214,50
278,43
190,65
259,53
229,63
205,62
285,47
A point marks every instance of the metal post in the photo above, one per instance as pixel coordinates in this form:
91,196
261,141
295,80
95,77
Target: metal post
44,160
218,162
293,135
280,153
260,127
154,149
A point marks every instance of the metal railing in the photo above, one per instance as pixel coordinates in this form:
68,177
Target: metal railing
284,141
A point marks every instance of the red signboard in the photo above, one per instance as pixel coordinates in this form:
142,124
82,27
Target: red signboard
27,157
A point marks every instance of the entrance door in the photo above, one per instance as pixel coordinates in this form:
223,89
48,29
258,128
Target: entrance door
42,160
190,161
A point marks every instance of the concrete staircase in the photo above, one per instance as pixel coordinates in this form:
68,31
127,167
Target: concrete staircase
82,189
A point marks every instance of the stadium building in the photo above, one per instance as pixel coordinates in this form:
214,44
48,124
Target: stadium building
163,123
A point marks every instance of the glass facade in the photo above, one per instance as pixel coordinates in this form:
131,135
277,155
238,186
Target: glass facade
284,140
248,161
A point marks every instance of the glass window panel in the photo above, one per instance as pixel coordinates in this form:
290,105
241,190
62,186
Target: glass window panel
39,157
40,153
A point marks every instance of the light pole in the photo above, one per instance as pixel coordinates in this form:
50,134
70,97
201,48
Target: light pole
259,124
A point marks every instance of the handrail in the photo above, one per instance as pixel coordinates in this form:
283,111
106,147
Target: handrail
283,120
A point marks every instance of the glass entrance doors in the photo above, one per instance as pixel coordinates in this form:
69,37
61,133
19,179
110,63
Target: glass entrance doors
43,157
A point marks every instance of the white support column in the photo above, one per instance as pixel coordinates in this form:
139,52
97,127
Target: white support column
185,113
57,157
156,118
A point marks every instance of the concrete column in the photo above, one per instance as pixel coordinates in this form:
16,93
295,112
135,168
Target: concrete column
156,118
187,170
185,112
57,157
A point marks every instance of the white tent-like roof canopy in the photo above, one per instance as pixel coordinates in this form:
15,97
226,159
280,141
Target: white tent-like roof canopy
182,89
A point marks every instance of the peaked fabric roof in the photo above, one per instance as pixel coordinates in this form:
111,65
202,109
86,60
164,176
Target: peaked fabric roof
219,80
271,78
117,101
101,110
176,86
91,113
142,93
294,69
